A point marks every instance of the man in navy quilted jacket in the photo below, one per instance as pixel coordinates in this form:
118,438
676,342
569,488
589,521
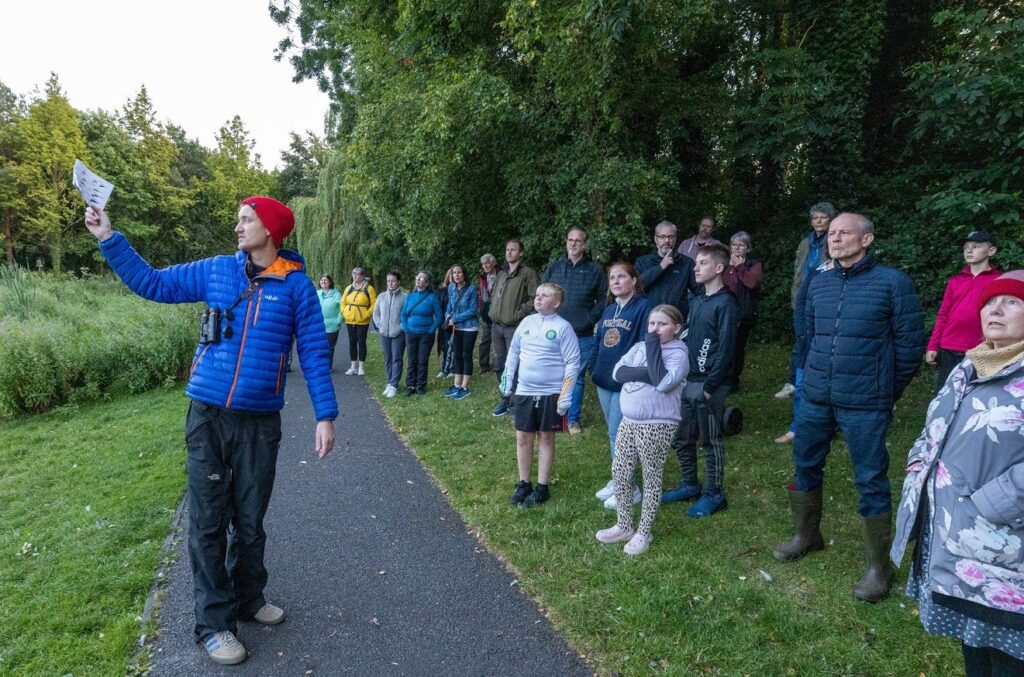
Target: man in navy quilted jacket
263,300
866,334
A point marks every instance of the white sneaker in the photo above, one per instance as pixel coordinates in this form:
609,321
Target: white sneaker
224,648
786,391
606,492
350,371
612,504
360,371
390,391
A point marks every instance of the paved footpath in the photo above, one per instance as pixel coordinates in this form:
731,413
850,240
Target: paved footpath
376,572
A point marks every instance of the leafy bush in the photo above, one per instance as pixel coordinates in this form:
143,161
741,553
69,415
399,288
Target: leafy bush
69,340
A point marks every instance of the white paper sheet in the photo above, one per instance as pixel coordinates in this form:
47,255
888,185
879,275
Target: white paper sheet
95,190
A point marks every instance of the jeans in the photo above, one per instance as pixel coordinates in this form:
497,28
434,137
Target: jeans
232,461
418,355
393,349
864,431
576,406
798,398
612,413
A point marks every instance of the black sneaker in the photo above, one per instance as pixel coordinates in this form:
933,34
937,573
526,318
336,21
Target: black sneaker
409,392
523,490
539,495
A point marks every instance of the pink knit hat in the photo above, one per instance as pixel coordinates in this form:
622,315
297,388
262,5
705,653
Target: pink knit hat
1011,284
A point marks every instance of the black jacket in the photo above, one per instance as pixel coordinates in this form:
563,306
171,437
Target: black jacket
866,334
672,285
586,288
711,337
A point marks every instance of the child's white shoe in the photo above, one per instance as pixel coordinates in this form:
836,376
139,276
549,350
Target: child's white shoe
638,544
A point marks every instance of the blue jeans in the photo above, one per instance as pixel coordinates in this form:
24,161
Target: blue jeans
612,413
864,431
798,398
393,349
576,407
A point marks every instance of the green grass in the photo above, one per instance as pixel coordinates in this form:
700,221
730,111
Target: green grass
86,498
697,601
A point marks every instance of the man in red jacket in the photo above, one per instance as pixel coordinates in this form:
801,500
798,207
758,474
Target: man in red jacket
957,327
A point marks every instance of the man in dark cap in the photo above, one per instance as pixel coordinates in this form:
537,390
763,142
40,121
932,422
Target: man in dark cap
236,388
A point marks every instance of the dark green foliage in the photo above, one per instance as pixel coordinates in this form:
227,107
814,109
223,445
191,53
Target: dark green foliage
456,129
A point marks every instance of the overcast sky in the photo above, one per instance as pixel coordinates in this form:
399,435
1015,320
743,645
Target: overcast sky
202,62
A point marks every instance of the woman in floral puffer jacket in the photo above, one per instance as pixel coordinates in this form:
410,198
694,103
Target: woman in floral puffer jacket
963,497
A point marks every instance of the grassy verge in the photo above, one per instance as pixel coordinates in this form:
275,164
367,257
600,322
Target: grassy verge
86,496
707,598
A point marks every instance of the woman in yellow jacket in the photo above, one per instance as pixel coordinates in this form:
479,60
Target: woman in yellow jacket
356,309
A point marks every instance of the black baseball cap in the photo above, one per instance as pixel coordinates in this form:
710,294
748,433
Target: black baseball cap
979,236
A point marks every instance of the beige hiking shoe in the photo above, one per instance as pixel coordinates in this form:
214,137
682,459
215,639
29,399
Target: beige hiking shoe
269,614
224,648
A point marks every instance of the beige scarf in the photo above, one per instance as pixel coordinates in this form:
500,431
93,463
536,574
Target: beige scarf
988,359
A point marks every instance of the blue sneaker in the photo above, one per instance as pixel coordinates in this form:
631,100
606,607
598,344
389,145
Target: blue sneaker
461,394
501,409
707,505
451,391
684,492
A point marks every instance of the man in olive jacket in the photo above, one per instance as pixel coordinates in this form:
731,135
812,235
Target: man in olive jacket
511,301
867,339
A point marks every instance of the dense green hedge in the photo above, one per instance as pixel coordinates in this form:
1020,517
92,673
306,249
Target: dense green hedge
68,340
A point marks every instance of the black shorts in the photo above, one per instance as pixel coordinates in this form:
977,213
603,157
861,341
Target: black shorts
538,413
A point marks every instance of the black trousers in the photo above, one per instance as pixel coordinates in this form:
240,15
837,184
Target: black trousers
232,461
462,356
332,342
947,360
417,347
988,662
357,341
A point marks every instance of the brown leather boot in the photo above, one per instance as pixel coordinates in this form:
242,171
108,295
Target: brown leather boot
875,583
806,509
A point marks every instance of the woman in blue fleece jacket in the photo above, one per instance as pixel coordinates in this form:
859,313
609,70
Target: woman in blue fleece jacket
421,316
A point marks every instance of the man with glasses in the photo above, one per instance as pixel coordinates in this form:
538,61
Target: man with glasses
585,286
666,274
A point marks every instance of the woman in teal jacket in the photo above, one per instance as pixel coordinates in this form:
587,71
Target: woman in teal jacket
330,305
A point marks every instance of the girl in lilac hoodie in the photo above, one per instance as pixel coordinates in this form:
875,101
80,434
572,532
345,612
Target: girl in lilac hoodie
653,374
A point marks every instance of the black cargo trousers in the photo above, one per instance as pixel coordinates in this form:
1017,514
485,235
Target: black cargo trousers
232,460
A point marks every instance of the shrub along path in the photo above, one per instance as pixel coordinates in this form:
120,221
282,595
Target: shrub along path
378,575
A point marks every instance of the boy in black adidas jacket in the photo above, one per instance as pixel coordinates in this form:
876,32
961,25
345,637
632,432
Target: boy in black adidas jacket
712,321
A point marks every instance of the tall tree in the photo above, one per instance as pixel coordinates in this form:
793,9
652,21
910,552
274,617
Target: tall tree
47,142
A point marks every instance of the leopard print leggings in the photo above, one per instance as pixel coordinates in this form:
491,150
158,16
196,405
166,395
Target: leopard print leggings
650,443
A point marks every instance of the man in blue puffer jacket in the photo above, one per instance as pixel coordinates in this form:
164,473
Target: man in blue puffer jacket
236,387
867,339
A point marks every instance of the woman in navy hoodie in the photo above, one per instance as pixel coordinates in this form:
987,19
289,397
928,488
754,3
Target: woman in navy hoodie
420,318
623,323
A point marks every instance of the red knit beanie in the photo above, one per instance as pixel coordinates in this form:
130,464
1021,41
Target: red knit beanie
1011,284
276,217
